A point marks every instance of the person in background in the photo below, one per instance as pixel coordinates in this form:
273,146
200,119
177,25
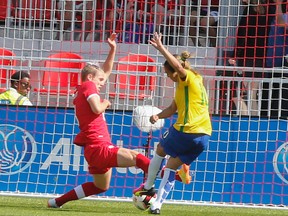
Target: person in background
277,47
207,22
142,17
18,91
277,52
100,154
71,17
170,20
189,136
84,13
250,51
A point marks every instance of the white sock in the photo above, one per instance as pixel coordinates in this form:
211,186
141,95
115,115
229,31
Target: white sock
80,192
165,187
154,167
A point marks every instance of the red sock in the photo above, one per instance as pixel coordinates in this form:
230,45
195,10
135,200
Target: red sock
79,192
177,177
142,162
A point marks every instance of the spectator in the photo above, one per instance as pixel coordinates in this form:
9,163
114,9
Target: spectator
17,94
84,17
278,39
165,9
207,21
104,18
70,23
126,22
277,49
135,19
146,19
140,17
170,18
250,51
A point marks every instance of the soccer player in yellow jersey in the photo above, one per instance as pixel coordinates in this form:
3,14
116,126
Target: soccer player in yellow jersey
189,136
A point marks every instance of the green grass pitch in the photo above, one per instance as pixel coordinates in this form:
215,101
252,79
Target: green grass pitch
27,206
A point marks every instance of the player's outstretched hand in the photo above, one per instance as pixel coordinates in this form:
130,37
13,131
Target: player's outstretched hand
112,40
156,41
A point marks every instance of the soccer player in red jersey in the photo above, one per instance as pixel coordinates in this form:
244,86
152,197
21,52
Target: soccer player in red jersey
100,154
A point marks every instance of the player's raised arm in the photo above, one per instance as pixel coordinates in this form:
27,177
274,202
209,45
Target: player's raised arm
108,64
157,43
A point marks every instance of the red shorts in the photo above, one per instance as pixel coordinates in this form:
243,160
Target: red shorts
100,158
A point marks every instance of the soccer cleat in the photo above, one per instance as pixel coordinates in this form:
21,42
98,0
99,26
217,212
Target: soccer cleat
155,211
142,191
52,204
184,174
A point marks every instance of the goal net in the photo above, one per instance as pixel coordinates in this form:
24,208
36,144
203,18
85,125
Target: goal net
241,54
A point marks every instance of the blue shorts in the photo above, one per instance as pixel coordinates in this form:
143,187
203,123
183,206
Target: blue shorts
183,145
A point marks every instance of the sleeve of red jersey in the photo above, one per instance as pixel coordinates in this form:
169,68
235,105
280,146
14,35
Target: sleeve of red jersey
89,89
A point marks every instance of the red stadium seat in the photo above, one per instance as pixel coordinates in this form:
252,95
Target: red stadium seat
137,85
6,73
58,79
4,9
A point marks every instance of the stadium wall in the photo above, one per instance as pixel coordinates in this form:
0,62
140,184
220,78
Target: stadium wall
246,161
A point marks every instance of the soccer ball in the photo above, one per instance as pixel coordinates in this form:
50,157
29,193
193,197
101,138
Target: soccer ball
143,202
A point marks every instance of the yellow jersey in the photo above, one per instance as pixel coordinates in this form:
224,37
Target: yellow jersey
192,105
12,97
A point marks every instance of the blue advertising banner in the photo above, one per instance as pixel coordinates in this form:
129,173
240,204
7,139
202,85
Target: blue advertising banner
246,161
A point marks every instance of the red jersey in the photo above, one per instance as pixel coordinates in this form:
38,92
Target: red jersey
93,127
